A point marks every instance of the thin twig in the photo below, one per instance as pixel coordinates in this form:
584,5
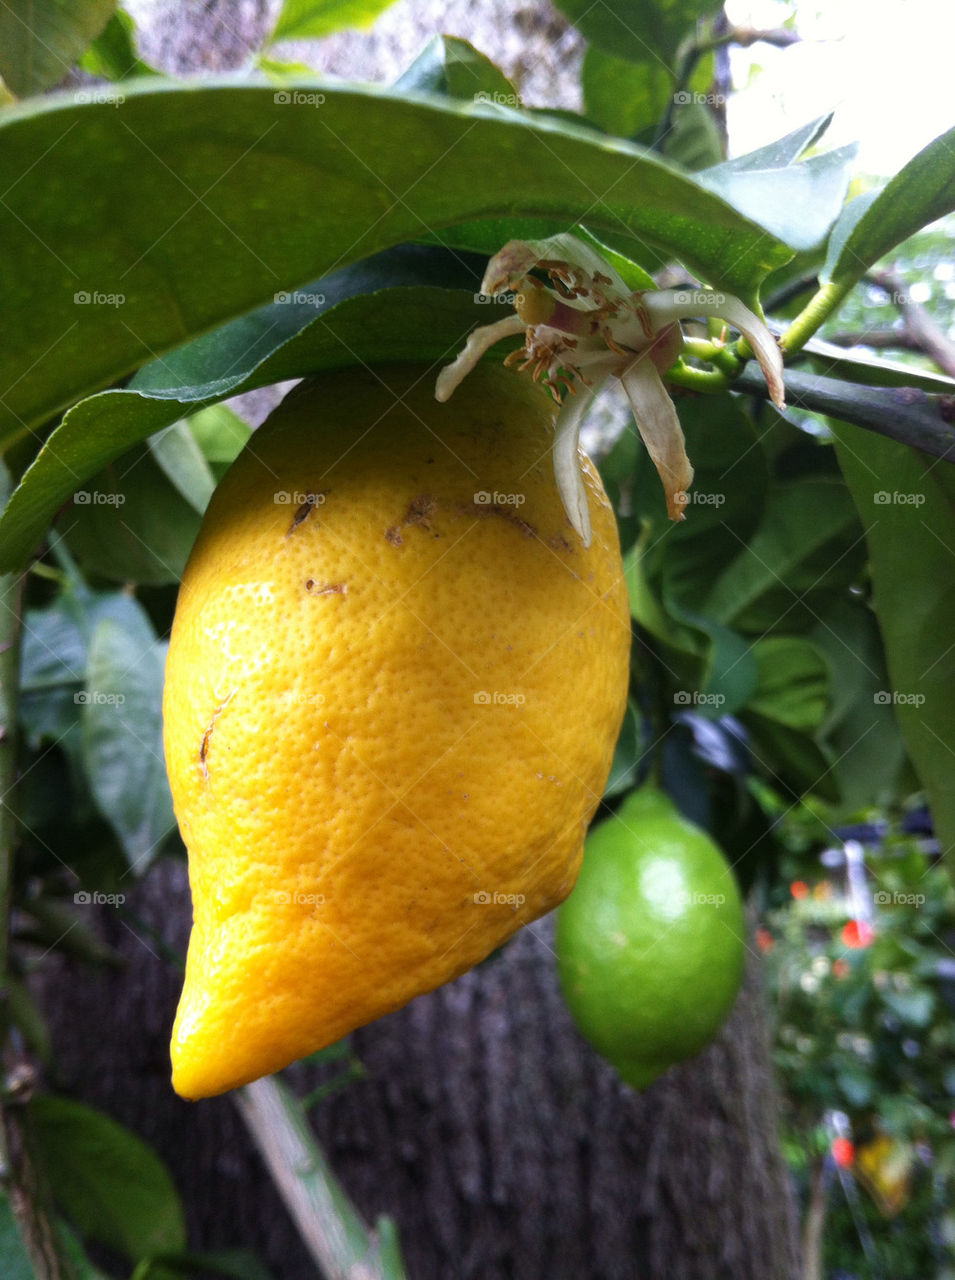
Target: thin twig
929,336
902,413
333,1232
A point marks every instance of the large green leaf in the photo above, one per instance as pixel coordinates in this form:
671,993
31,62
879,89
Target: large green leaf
647,28
809,540
114,54
126,230
107,1180
397,324
907,504
793,682
122,737
312,19
40,41
873,225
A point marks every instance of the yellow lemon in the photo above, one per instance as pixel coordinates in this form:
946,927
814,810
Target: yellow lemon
394,684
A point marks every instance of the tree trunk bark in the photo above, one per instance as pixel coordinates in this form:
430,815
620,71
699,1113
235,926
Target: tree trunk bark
504,1148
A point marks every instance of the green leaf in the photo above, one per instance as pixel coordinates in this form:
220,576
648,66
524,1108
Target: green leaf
234,1263
907,505
313,19
110,1183
130,523
637,30
114,54
694,139
193,203
793,683
921,192
221,435
267,347
856,1086
914,1008
41,41
180,457
622,96
122,737
16,1261
796,202
451,66
804,544
784,151
859,727
54,658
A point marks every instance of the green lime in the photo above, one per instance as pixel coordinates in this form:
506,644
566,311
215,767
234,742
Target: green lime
650,944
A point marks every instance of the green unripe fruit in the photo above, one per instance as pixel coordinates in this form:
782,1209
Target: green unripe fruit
650,944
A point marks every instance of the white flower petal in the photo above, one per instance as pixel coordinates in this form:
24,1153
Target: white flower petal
661,431
479,341
567,463
511,264
674,304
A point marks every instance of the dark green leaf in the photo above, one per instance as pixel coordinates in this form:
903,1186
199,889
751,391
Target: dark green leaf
650,28
131,524
805,542
797,760
114,54
41,41
860,727
921,192
191,204
694,139
198,1266
907,504
313,19
122,737
112,1185
622,96
793,683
